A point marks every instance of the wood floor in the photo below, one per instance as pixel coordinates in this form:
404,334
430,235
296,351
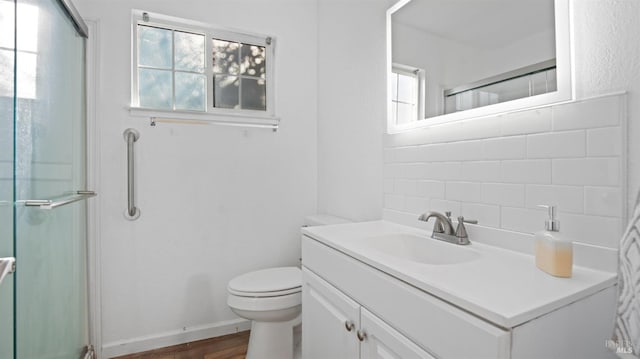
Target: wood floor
232,346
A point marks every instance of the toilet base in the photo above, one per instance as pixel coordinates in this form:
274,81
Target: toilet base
271,340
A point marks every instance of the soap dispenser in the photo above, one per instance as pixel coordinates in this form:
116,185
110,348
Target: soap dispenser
554,252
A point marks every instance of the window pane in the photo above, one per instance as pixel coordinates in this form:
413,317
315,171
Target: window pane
552,80
190,91
253,60
511,89
226,91
226,57
155,88
406,113
254,94
154,47
189,51
406,89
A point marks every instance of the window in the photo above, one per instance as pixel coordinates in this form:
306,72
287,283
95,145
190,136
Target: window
26,52
183,66
407,95
528,81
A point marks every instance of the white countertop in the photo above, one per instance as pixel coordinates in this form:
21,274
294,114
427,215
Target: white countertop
502,286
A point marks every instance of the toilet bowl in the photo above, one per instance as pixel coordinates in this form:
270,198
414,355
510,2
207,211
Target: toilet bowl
272,300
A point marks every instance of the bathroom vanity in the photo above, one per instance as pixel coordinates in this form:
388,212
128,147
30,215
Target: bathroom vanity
382,290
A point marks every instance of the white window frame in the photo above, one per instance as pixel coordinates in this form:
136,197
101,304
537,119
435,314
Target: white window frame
140,17
420,77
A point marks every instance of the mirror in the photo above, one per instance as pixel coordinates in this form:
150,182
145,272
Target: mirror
458,59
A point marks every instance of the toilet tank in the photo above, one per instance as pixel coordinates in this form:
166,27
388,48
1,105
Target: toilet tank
323,220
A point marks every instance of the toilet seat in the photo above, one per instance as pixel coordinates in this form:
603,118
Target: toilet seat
272,282
264,294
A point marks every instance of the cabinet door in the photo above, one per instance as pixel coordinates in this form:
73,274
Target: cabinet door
383,342
325,310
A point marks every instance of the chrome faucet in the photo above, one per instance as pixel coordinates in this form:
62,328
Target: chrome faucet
443,228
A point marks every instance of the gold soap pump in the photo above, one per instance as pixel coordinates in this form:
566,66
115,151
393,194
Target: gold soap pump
554,252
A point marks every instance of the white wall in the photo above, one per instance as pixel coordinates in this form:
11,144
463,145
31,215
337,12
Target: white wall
216,201
351,107
607,48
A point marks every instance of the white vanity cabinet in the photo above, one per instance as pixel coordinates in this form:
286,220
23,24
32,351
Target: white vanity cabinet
343,296
330,320
335,326
337,288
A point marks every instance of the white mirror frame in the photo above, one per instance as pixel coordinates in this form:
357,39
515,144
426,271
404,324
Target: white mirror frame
564,72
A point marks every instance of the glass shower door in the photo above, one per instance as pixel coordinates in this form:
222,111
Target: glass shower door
49,168
7,56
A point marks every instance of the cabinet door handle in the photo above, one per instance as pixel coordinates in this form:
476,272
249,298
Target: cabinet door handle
361,335
349,325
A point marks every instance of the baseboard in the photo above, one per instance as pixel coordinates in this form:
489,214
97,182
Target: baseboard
161,340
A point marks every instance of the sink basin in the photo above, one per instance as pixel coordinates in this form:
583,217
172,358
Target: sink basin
425,250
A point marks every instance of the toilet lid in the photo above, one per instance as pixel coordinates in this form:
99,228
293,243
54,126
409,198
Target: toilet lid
267,282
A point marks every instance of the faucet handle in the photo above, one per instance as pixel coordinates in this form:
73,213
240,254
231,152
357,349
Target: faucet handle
448,214
461,231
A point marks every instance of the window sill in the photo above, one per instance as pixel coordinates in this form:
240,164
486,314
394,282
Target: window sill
200,118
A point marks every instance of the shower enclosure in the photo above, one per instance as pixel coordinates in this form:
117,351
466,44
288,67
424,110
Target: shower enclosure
43,304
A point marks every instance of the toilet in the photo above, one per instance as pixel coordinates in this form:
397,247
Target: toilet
272,299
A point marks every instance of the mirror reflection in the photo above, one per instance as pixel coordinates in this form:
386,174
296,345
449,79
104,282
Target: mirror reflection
456,55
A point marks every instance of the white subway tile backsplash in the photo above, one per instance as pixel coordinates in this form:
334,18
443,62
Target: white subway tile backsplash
445,171
414,170
526,122
407,187
566,198
430,153
486,215
586,171
388,155
486,127
523,219
596,230
463,191
505,148
394,201
392,170
463,151
431,189
498,168
592,113
556,145
604,142
416,205
389,185
603,201
442,205
406,154
526,171
446,132
481,171
503,194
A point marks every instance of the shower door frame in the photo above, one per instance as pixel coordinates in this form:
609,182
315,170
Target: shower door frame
94,285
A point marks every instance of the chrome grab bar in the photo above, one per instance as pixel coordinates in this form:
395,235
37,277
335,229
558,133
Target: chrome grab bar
132,212
7,266
59,201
